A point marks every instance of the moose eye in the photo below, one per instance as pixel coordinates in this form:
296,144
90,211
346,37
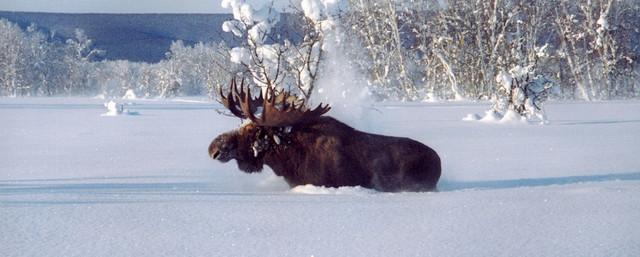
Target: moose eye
225,147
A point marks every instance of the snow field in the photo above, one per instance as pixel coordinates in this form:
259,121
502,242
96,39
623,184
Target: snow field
75,183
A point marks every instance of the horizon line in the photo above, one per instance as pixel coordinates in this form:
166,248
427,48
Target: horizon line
54,12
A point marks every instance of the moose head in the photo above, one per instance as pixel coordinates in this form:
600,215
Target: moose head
272,116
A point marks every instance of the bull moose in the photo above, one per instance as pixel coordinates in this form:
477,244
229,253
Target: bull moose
305,147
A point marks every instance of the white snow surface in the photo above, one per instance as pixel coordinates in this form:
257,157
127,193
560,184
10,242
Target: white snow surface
75,183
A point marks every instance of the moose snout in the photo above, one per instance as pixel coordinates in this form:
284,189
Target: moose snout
215,154
220,152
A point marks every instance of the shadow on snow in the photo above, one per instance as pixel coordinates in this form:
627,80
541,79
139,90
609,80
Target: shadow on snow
80,191
533,182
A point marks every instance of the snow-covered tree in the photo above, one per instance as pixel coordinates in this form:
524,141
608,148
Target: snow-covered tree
219,69
252,23
12,61
597,43
523,91
399,50
202,68
80,54
268,59
378,27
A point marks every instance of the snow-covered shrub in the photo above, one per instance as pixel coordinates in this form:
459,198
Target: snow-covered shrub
522,91
116,109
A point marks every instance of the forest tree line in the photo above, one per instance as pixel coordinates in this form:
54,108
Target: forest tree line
411,50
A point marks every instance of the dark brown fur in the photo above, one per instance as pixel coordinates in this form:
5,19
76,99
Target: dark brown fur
326,152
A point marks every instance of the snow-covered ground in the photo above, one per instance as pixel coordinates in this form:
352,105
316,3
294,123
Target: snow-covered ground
76,183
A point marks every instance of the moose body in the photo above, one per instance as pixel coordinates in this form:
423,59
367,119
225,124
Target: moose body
323,151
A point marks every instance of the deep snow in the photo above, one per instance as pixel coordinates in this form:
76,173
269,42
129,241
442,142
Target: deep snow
75,183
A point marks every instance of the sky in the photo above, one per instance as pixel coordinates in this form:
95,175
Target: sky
114,6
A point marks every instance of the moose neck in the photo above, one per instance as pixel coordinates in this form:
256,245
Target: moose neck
287,156
283,166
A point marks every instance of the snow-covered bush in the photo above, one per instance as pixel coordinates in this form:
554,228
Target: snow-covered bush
523,91
116,109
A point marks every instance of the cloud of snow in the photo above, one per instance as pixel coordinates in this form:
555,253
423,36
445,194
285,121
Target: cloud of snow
266,181
344,88
320,190
339,83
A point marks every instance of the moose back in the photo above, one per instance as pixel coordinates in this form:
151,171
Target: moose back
305,147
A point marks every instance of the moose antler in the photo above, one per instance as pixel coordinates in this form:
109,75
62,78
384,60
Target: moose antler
272,109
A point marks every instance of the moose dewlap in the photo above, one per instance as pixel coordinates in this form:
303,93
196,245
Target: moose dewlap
305,147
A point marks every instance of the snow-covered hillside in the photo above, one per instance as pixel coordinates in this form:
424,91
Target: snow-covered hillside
76,183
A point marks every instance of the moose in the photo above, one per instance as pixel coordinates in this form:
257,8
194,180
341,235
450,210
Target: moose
305,147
